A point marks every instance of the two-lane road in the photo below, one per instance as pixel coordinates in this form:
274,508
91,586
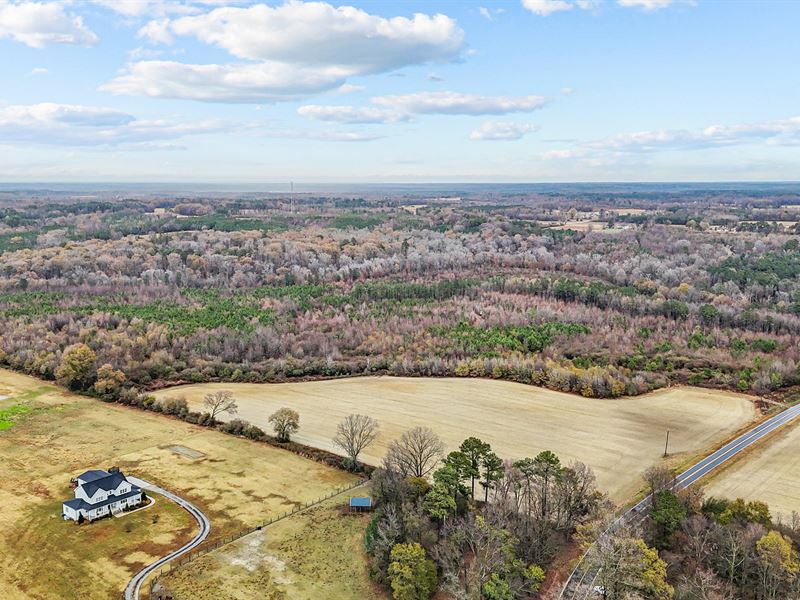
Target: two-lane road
576,588
135,585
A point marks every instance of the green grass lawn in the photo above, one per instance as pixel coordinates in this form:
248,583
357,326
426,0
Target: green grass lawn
9,416
14,408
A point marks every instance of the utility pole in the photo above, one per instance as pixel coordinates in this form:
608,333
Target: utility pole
666,446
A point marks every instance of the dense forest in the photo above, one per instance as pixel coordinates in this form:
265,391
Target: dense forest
599,294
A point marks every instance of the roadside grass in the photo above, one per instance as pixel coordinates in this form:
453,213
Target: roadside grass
236,482
769,471
317,554
679,463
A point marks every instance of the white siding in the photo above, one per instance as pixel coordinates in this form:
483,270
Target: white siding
81,493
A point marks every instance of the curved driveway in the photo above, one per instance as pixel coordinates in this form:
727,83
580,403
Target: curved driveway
132,591
578,577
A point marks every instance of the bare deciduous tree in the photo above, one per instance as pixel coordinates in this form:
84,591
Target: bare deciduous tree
703,585
659,478
219,402
416,453
354,434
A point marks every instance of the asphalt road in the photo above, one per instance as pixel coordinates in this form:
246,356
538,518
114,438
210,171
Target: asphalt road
575,588
132,591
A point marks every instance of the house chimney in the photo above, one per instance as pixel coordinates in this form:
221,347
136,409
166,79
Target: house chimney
114,470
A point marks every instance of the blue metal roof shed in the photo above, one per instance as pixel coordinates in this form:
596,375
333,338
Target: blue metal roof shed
360,504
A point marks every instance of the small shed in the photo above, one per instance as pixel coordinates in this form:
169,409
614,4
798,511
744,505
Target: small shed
358,504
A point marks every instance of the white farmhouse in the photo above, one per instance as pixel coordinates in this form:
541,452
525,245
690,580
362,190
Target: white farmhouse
100,493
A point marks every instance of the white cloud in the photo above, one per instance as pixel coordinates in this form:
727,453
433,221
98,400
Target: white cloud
631,146
349,88
502,131
261,82
782,132
81,126
319,135
38,24
394,109
76,125
646,4
546,7
489,13
300,48
332,136
140,53
351,114
455,103
38,71
157,31
318,34
563,154
146,8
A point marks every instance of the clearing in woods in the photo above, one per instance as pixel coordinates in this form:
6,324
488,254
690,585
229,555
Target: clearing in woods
618,438
236,482
314,555
769,472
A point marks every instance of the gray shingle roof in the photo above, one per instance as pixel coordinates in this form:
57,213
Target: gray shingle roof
93,475
75,503
109,482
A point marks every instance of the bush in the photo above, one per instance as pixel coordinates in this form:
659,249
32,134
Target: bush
206,419
419,486
254,433
128,396
234,426
192,417
175,406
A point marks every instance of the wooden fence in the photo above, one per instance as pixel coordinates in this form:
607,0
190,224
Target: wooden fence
206,548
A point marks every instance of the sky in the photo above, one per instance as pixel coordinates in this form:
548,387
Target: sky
403,91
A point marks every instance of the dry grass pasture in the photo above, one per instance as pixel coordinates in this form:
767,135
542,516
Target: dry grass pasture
236,482
618,438
769,472
314,555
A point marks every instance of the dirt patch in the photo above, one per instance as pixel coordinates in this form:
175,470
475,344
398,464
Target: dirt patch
184,451
315,555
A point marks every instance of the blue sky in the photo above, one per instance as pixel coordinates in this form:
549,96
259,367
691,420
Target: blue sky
528,91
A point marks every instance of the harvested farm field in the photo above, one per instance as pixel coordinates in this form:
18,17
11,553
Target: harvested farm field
53,435
317,554
769,472
618,438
